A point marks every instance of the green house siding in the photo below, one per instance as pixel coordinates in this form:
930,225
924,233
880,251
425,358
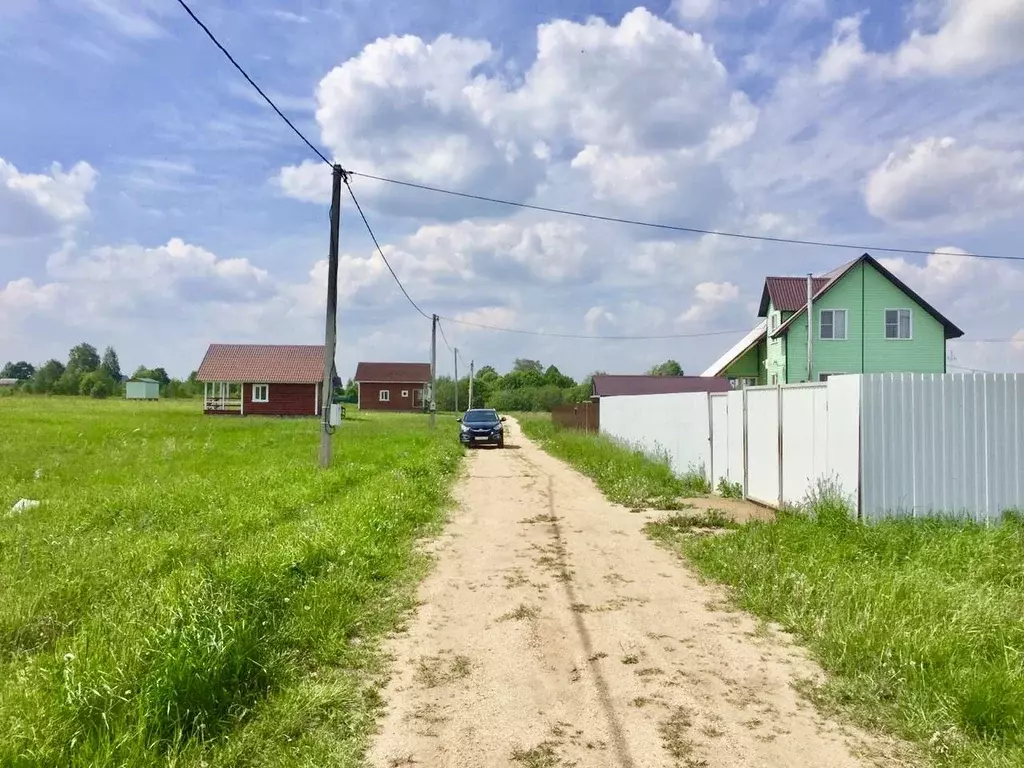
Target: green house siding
775,356
865,294
925,352
750,365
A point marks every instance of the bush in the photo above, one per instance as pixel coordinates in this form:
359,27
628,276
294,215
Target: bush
730,490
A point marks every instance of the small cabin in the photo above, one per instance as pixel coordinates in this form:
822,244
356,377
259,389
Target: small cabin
142,389
263,379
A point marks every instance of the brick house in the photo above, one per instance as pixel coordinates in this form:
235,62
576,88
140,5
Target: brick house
263,379
392,386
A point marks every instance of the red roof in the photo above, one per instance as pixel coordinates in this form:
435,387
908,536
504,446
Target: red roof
789,294
263,363
611,385
393,373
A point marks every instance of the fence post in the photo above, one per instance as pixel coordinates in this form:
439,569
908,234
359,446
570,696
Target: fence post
746,461
711,443
779,392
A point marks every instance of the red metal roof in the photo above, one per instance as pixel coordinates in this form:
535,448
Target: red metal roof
606,385
789,294
263,363
393,373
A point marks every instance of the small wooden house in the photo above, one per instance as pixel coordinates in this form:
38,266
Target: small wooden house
392,386
263,379
142,389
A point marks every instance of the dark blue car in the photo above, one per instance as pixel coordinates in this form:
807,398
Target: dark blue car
482,426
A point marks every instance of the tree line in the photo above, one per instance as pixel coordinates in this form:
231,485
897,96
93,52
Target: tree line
88,373
529,386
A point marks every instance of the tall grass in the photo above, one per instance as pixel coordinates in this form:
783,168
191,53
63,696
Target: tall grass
626,476
192,590
920,623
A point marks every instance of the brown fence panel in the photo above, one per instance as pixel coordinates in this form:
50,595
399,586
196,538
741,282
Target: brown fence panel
582,416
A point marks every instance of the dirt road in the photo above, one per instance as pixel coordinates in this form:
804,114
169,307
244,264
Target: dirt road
553,632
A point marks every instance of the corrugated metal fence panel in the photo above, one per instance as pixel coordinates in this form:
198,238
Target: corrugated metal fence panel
804,440
763,445
676,426
719,438
735,455
842,444
942,444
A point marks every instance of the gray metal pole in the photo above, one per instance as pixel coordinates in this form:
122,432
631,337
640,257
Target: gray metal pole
331,327
470,383
455,354
433,371
810,326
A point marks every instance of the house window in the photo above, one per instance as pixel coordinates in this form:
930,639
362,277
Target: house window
385,395
261,393
745,381
832,324
405,394
775,321
898,324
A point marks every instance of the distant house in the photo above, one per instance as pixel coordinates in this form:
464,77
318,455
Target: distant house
864,320
263,379
142,389
608,385
392,386
9,382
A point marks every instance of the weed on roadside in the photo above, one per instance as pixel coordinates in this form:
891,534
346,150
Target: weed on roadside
729,490
522,613
435,671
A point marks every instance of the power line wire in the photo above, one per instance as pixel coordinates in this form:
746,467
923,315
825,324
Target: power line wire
252,82
676,227
381,252
443,337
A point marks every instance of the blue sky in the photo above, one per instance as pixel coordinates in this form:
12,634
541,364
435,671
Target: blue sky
184,212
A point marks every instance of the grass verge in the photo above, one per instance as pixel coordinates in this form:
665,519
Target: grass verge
193,590
624,475
917,622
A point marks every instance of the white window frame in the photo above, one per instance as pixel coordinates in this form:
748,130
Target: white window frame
774,321
261,388
885,324
384,396
405,394
832,313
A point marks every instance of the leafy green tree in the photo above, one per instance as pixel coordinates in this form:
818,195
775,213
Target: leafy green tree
98,384
668,368
555,378
111,364
47,376
83,358
524,365
157,374
69,383
19,370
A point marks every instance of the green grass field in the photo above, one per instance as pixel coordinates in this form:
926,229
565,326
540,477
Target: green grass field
624,476
193,591
920,624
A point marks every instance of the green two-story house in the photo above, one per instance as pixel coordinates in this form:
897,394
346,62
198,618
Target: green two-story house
864,319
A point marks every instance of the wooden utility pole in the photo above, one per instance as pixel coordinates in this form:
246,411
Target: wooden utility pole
433,371
331,327
455,354
470,384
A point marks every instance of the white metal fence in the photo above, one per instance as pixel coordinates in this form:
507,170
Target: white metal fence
894,444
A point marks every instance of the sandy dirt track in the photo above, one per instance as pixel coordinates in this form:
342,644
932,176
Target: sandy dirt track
553,632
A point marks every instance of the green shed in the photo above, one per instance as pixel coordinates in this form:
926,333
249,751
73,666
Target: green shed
142,389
